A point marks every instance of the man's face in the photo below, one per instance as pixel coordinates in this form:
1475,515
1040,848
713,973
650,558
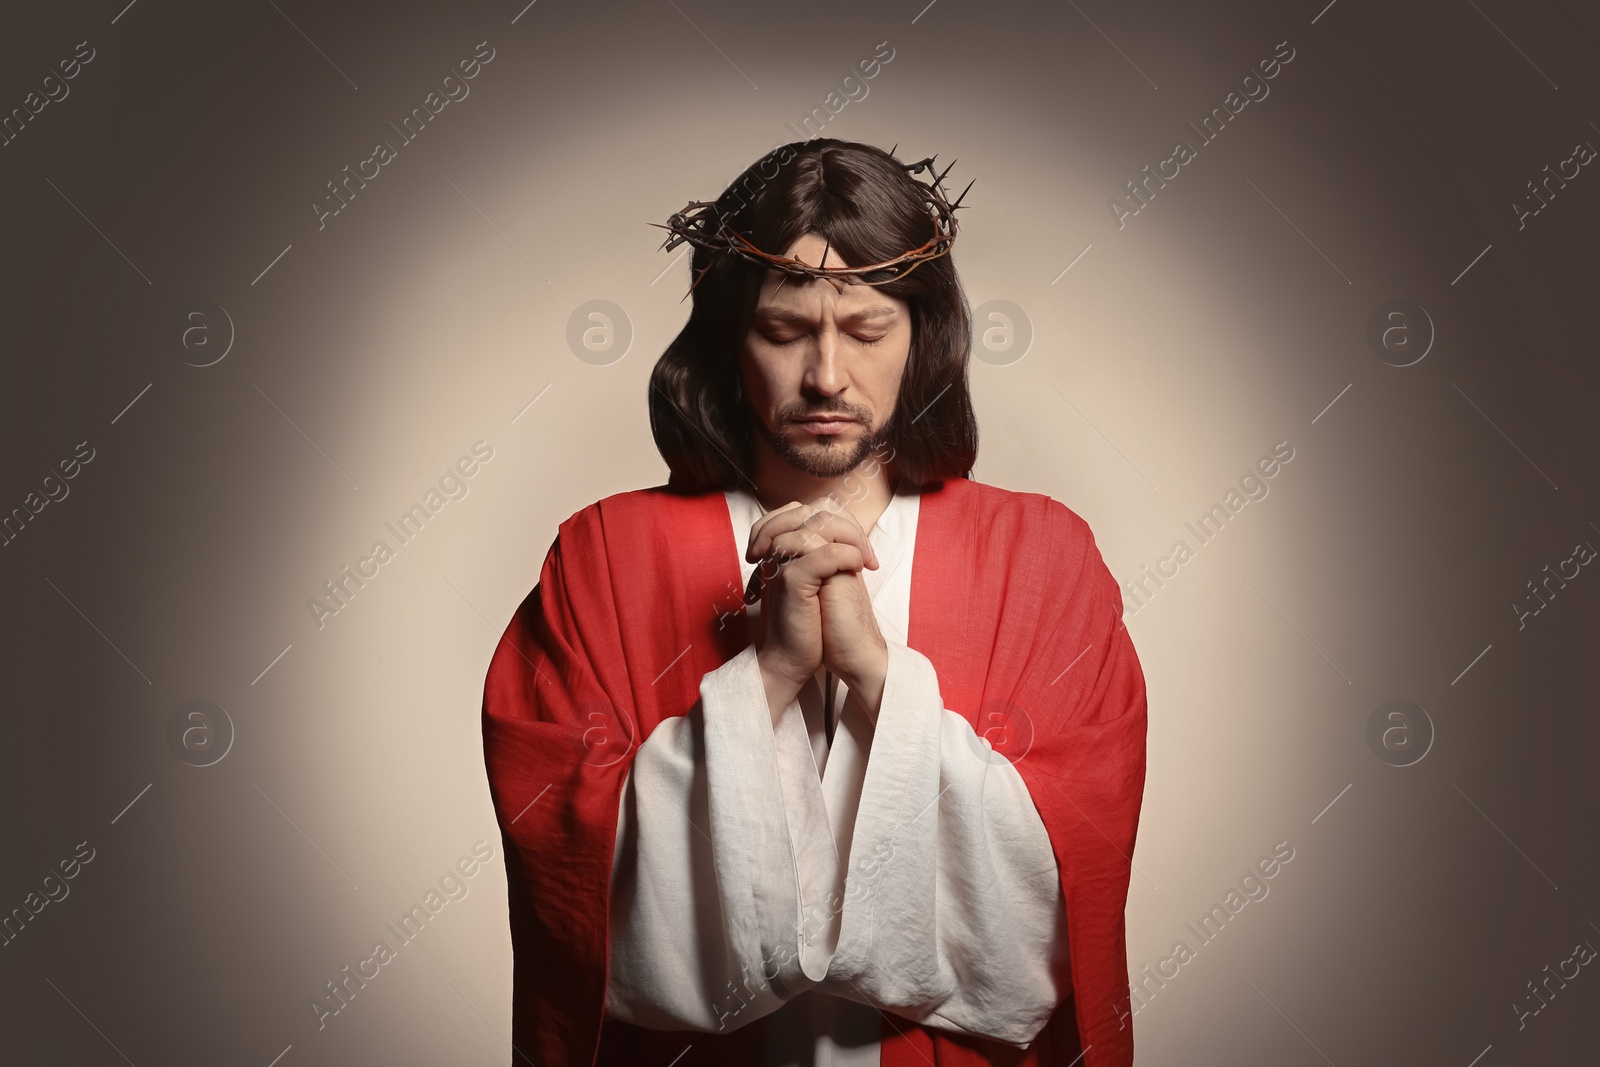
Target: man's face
822,364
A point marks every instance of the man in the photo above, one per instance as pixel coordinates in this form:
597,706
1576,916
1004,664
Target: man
822,753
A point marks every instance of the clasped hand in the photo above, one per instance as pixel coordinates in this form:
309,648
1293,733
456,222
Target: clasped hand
815,610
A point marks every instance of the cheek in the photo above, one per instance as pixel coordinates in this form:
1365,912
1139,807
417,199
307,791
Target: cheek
893,367
891,389
763,385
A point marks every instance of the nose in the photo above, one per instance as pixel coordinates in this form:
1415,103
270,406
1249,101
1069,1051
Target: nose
824,374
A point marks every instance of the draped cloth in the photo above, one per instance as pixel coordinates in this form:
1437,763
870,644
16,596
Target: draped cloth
638,599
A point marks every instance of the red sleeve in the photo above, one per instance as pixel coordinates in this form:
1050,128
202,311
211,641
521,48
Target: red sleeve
559,729
1086,772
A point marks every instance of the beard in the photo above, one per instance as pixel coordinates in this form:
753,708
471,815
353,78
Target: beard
823,457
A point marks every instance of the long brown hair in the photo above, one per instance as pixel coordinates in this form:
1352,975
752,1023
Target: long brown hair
862,200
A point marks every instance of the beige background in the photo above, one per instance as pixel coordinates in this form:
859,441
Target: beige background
426,315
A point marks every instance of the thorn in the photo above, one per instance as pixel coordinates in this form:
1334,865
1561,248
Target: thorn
963,195
896,146
703,273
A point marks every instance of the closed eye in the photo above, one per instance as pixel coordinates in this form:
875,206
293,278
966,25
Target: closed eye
784,342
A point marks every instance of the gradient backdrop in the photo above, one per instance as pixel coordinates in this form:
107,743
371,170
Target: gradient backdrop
246,848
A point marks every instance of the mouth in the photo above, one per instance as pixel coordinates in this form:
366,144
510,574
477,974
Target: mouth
825,425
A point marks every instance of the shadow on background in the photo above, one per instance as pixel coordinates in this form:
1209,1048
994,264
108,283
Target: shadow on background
256,341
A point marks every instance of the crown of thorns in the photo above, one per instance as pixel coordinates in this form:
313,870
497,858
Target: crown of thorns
702,225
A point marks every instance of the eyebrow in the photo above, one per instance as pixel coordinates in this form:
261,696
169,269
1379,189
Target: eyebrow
777,314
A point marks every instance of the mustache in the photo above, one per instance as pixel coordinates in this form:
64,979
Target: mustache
801,412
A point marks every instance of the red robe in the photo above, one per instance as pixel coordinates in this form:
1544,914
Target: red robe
639,597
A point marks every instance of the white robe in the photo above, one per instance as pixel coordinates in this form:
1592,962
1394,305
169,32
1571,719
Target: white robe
758,872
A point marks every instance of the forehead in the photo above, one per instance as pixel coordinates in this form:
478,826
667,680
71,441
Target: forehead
794,298
802,301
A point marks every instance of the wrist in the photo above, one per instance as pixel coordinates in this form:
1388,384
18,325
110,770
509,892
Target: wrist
867,680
